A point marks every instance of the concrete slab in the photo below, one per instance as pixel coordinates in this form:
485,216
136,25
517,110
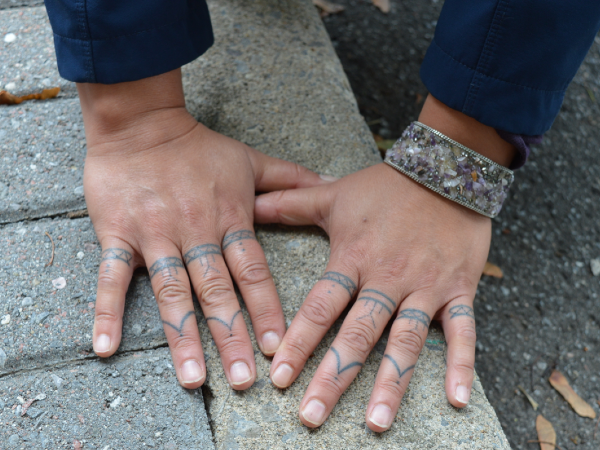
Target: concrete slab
127,402
49,324
28,63
42,151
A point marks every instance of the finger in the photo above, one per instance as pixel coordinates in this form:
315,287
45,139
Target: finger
325,302
248,266
274,174
407,336
359,333
214,288
114,276
458,321
294,207
174,297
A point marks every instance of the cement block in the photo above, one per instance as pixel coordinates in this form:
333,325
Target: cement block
127,402
28,63
42,152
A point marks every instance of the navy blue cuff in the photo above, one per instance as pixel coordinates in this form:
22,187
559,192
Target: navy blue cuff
112,42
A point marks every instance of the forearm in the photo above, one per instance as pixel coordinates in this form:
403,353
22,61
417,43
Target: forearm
467,131
145,110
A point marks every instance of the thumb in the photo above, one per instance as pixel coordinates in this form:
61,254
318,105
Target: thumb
294,207
275,174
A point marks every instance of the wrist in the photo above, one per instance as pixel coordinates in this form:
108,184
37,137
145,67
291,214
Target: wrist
466,131
151,109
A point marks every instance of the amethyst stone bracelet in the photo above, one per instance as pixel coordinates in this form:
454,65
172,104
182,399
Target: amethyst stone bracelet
451,169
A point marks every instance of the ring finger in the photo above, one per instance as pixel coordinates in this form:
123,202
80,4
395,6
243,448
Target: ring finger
173,295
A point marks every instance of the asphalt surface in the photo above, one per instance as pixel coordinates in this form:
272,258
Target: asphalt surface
545,313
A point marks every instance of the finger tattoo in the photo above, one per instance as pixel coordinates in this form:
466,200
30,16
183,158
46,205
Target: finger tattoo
341,369
179,328
117,253
228,325
205,254
461,310
342,280
415,316
238,236
400,372
166,266
380,303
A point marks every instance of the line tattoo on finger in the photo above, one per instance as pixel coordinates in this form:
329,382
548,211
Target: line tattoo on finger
379,304
166,266
205,255
117,253
341,369
400,372
238,236
179,328
415,316
461,310
228,325
342,280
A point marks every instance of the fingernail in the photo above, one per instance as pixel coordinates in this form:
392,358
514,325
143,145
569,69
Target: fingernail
102,344
239,373
462,394
283,376
382,416
314,412
191,372
270,342
328,178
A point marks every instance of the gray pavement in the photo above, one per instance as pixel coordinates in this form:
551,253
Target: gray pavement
545,313
272,80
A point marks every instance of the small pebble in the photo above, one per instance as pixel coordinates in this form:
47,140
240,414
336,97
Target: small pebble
542,365
59,283
78,190
595,266
14,440
58,381
46,82
27,301
116,402
80,255
34,413
10,37
5,319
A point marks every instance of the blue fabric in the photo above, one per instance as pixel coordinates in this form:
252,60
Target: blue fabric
507,63
111,41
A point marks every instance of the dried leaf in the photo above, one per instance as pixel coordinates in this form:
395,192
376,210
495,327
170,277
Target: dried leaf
534,404
383,5
560,383
492,270
546,433
328,7
7,98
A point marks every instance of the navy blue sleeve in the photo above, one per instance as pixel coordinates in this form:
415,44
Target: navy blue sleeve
507,63
111,41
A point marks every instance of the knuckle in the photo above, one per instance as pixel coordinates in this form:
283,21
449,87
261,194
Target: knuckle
318,312
232,345
108,280
106,315
170,292
254,272
184,342
360,337
296,348
463,365
214,292
409,341
467,334
330,383
390,386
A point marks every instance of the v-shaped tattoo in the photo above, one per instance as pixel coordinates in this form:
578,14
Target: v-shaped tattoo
180,328
348,366
400,372
228,325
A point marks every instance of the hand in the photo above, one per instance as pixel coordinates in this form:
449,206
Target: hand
405,254
165,192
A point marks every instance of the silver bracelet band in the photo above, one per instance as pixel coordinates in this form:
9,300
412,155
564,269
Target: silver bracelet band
451,169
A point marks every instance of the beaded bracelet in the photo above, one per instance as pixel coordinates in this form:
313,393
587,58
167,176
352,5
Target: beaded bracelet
451,169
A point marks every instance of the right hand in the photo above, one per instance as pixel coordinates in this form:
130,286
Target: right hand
165,192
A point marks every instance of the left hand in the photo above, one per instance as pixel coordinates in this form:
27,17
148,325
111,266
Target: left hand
410,255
